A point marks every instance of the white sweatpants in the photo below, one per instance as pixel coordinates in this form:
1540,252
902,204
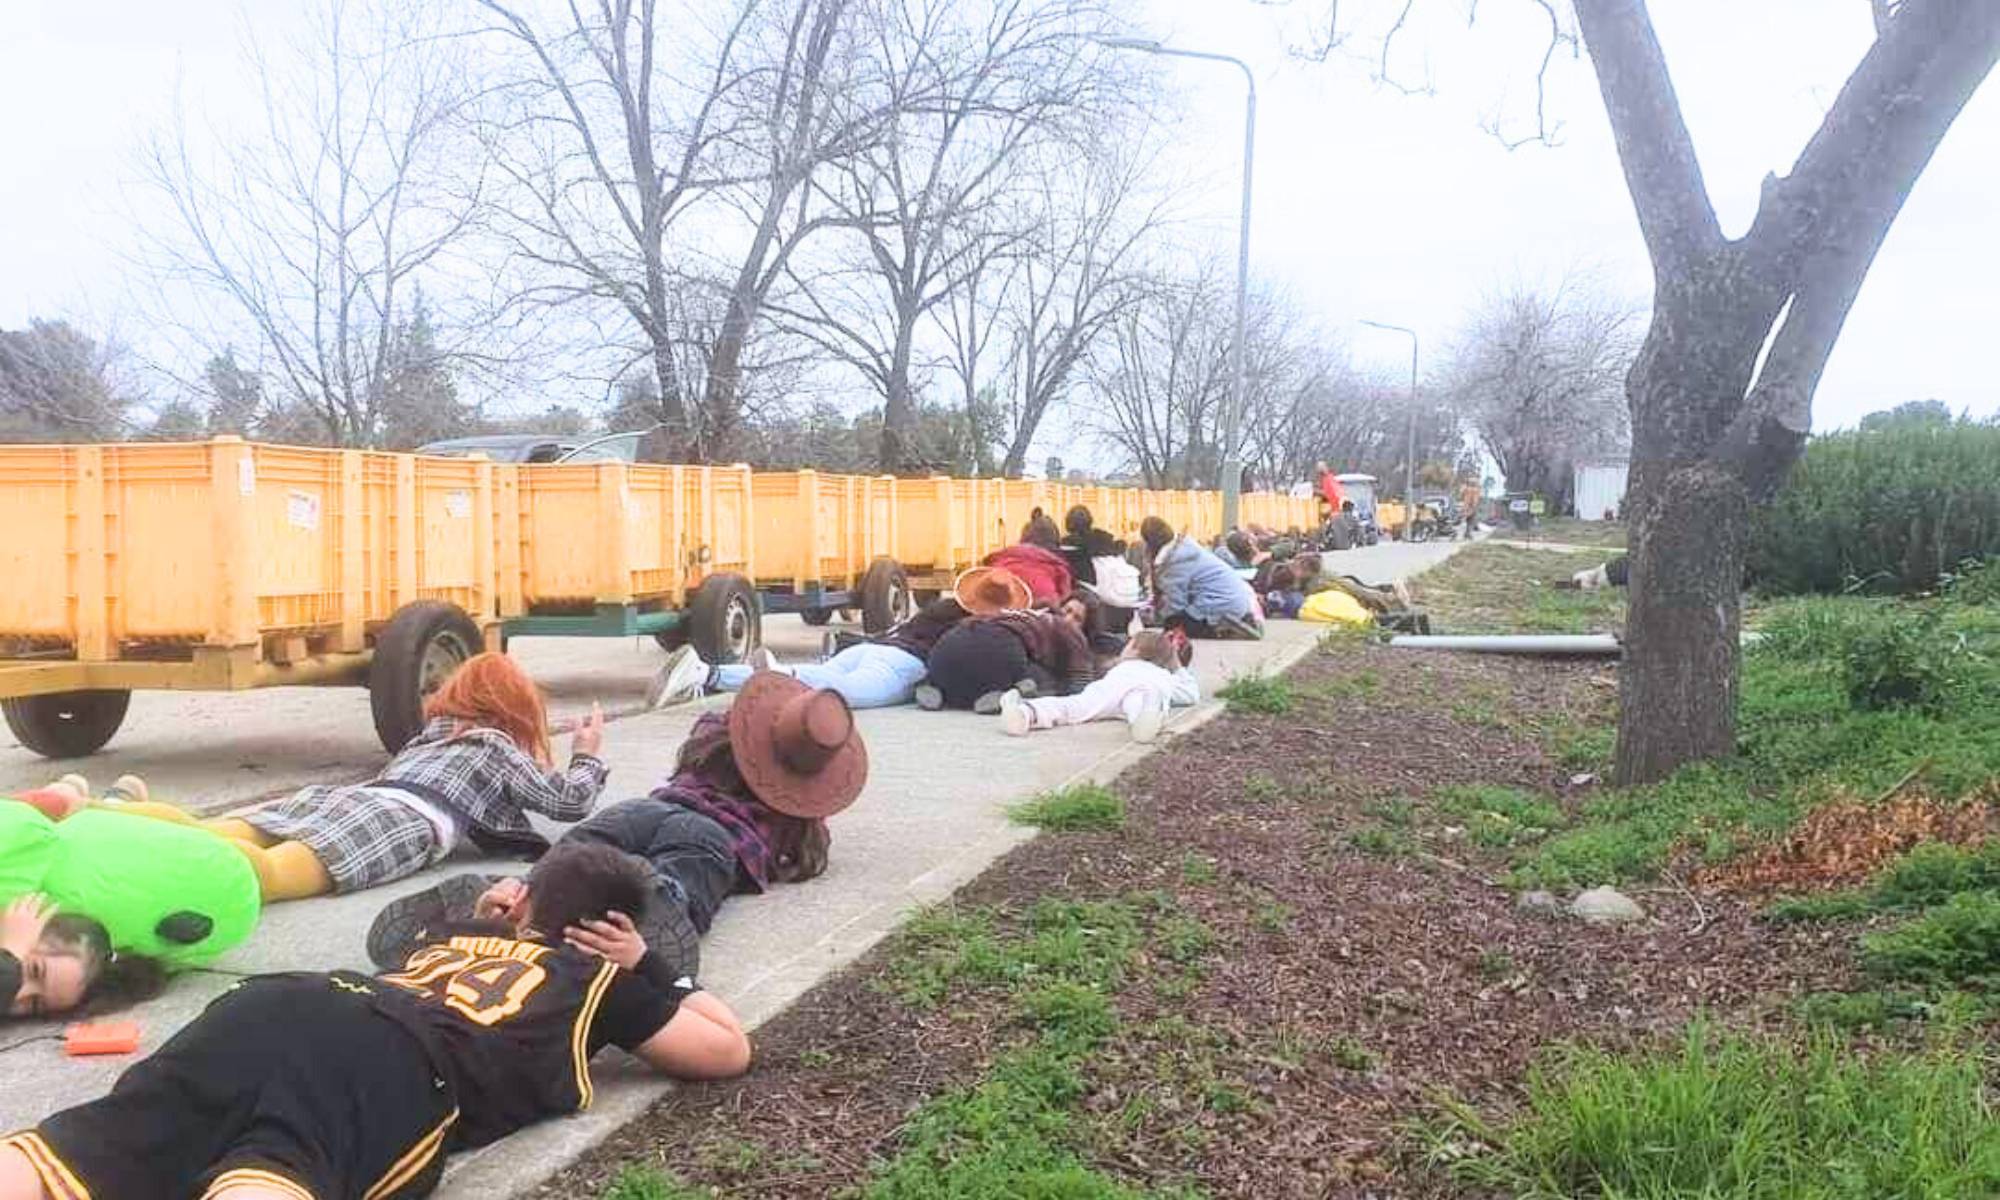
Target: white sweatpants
1127,689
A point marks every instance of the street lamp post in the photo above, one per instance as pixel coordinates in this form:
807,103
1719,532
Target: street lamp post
1410,453
1232,416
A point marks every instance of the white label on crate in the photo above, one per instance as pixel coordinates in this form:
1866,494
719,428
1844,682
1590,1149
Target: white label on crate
302,510
458,505
246,475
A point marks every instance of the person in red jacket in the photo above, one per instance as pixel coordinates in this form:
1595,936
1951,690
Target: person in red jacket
1328,487
1038,561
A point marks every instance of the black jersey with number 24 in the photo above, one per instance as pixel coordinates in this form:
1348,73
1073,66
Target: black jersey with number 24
514,1023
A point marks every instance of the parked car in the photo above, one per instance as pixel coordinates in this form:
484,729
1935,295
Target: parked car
540,447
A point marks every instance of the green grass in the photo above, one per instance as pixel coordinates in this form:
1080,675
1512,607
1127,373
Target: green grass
1803,738
1018,1130
1260,695
645,1183
1084,808
1502,589
1732,1118
1957,942
1571,531
1382,841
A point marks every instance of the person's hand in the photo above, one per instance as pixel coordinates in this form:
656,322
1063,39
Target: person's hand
22,923
614,938
501,901
590,735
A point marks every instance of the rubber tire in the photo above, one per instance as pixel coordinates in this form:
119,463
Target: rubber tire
816,617
885,597
67,724
396,691
709,615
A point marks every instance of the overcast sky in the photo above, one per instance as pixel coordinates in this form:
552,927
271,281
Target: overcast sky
1369,203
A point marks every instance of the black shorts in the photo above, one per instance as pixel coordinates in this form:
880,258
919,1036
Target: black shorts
294,1082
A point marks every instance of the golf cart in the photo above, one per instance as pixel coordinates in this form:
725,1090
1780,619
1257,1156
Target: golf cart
1359,528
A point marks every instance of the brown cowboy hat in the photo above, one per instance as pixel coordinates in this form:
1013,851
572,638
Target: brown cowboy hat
984,590
797,747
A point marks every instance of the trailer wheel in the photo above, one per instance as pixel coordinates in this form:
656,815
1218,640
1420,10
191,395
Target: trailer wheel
885,597
66,724
816,616
424,643
725,622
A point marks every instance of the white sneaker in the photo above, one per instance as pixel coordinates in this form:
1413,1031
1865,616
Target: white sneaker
129,789
1015,716
761,659
1147,725
71,784
683,677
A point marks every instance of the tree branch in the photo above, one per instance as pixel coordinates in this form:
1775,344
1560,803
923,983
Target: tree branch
1654,146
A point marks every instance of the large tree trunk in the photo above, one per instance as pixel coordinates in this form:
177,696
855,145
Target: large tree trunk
898,412
1677,686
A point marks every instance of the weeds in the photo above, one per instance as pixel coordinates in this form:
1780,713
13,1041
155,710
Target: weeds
1957,942
1730,1118
1262,695
645,1183
1084,808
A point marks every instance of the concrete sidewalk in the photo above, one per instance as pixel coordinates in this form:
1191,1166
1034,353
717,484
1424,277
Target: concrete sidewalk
932,817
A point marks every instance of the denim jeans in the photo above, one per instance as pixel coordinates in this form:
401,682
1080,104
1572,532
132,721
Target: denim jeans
693,857
867,676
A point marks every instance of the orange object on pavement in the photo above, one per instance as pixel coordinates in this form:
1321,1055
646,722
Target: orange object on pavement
103,1037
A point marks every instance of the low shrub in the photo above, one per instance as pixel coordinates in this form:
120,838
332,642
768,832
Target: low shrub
1891,509
1086,807
1957,942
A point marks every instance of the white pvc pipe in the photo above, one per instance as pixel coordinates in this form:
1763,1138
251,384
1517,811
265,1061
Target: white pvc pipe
1595,645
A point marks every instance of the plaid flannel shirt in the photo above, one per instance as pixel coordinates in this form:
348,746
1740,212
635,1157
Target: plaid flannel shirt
736,814
490,782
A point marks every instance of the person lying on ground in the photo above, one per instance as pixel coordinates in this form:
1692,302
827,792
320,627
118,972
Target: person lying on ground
1037,561
346,1085
1087,612
746,807
100,906
1037,653
1084,543
1195,591
1239,551
480,765
1147,680
877,672
1280,590
1614,572
1393,606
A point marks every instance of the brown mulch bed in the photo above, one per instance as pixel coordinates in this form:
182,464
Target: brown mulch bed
1345,993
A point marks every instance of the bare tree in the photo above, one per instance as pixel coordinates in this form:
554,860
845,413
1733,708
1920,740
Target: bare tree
601,153
316,225
971,82
1077,273
1540,374
1160,383
59,384
1741,330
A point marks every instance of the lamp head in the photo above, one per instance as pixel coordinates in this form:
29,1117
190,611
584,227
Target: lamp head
1148,45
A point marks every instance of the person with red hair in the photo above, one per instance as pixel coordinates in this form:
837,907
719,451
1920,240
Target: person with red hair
481,763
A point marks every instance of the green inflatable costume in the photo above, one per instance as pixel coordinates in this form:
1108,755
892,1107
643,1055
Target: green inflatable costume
171,892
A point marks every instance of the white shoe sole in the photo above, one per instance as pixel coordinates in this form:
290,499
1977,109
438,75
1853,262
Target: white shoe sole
1014,715
678,680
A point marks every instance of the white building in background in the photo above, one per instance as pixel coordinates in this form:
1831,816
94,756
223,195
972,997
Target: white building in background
1600,488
